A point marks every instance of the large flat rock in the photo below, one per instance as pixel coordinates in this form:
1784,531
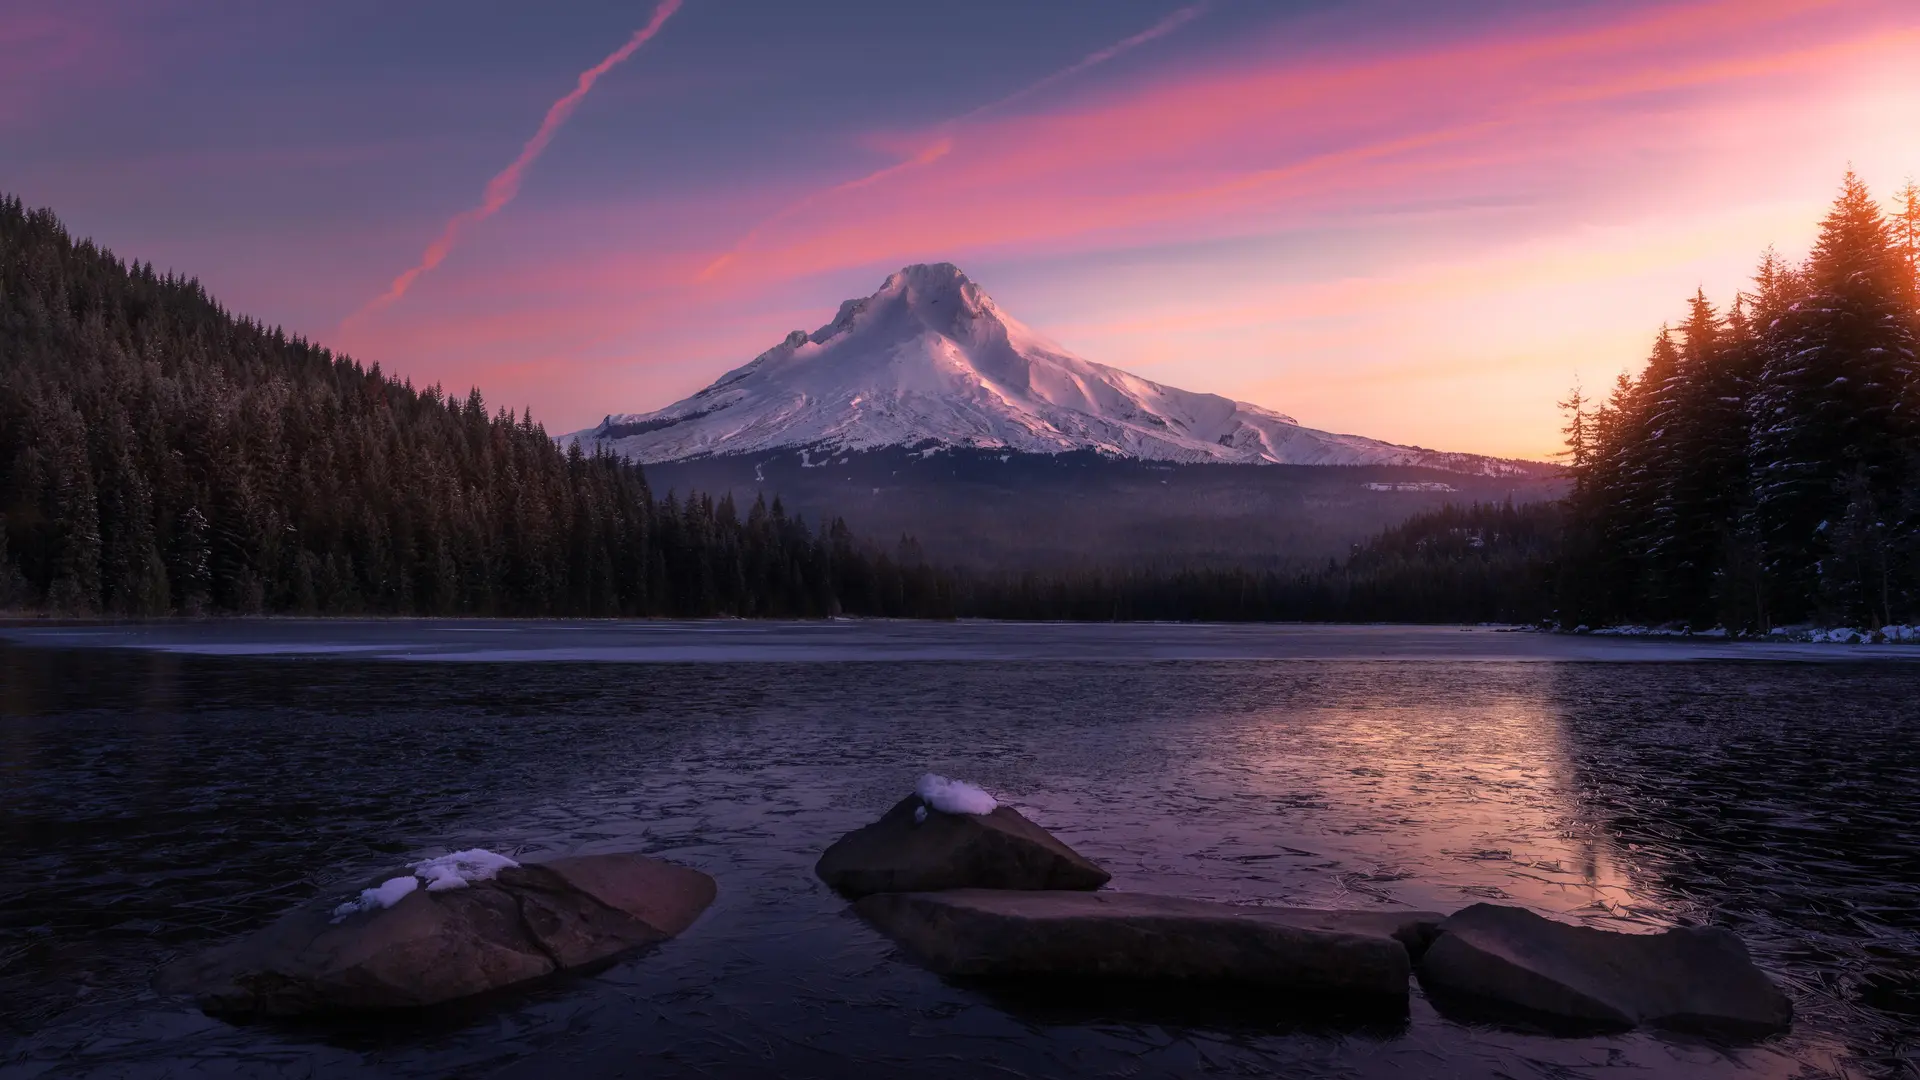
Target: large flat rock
430,947
997,933
1691,978
917,849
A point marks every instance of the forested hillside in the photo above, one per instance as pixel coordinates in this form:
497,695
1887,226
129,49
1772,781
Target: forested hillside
1764,467
1482,563
160,455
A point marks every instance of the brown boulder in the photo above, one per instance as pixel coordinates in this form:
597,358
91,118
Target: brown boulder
1691,978
994,933
435,946
915,848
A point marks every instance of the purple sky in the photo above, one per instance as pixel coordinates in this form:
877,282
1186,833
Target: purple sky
1419,221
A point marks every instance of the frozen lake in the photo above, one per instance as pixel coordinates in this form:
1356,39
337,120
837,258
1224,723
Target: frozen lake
512,641
197,779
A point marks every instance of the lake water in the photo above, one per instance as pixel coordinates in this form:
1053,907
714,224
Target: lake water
198,779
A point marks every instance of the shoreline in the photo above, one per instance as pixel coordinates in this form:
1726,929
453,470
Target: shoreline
900,641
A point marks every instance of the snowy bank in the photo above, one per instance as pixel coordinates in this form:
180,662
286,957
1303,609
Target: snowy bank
1838,635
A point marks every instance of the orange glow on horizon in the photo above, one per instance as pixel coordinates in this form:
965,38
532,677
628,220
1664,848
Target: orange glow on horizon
1491,218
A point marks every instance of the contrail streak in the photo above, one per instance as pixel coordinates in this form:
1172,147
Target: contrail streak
1158,30
931,154
941,148
506,184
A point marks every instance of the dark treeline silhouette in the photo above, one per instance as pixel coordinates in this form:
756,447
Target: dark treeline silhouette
158,455
1764,468
1483,563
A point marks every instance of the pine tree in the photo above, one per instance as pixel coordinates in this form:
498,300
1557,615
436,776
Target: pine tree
1739,594
1700,443
14,591
1639,465
1833,409
1905,224
1579,437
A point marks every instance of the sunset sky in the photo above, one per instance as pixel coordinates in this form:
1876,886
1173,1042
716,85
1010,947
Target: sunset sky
1420,221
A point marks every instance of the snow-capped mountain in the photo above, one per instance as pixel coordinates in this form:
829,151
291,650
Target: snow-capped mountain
930,360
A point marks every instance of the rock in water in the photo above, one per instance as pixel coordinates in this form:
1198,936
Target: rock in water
998,850
435,946
995,933
1693,978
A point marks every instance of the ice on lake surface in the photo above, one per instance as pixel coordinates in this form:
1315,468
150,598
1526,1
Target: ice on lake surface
161,799
503,641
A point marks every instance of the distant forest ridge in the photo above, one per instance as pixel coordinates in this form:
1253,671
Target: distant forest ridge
1762,470
159,455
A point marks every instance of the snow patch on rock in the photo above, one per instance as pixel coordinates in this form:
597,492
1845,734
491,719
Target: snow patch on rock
455,871
953,796
458,870
384,895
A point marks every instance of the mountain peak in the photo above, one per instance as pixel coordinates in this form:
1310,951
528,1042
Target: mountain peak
937,297
935,285
930,359
941,275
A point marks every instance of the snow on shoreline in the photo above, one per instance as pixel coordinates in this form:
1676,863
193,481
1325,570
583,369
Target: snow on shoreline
953,796
455,871
1840,635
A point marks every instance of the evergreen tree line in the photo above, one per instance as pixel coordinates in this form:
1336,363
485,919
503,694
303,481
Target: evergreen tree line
1764,467
159,455
1480,563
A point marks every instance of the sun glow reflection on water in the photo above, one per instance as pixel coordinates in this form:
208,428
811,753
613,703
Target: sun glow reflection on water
164,802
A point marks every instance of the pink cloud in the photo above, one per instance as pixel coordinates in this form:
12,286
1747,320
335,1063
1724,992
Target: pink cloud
1223,145
1613,108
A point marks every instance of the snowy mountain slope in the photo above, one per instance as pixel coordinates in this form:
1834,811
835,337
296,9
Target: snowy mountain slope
929,360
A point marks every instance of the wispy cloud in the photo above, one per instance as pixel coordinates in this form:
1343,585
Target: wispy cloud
506,184
1221,149
1092,60
938,142
1500,198
932,153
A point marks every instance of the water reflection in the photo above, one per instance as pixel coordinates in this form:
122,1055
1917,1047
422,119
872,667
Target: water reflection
1780,807
164,802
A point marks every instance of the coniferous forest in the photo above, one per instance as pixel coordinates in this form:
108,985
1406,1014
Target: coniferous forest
1764,467
158,455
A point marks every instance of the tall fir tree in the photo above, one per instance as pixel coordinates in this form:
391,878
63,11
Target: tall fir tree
1698,446
1905,222
1834,426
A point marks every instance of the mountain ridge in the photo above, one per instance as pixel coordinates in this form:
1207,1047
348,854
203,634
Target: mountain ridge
929,360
